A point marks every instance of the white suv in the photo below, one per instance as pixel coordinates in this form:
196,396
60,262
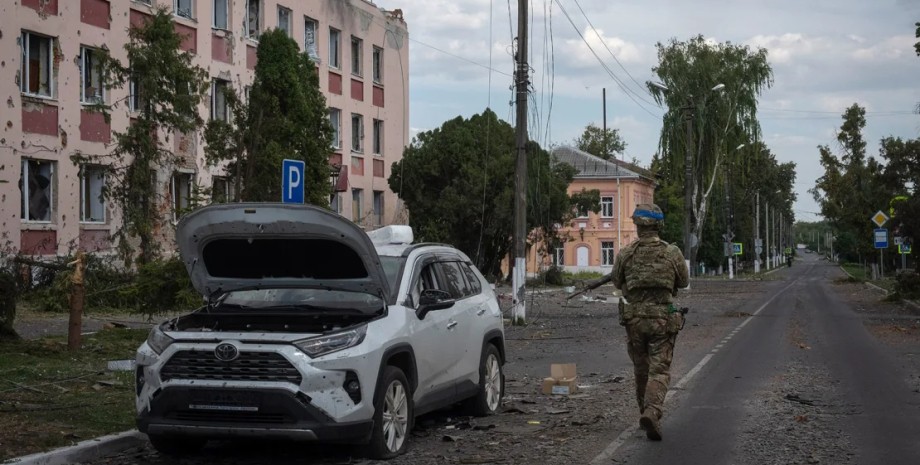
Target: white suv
317,330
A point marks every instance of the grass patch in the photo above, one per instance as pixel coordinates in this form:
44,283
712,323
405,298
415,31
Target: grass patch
51,397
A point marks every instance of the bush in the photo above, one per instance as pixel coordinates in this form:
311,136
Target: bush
553,276
907,284
8,292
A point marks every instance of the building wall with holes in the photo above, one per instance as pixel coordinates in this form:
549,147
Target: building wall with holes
49,204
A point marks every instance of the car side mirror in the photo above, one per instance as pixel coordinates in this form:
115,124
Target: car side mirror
433,299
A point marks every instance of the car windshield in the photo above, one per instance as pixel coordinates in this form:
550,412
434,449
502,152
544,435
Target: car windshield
301,300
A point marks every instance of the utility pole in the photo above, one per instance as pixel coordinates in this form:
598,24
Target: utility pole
688,188
604,134
757,246
522,83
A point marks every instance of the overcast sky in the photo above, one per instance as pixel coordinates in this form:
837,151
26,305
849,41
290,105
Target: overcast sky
825,54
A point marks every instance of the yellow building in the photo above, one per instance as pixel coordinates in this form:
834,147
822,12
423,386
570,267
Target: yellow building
592,240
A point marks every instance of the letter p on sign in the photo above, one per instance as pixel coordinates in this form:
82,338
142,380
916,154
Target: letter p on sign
292,187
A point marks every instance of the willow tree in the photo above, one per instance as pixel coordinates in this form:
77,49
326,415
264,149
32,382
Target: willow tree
716,87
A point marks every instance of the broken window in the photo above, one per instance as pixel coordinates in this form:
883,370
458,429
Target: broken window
181,192
334,37
378,208
184,8
284,20
92,90
222,189
378,65
335,118
135,99
253,18
606,253
336,203
92,203
357,133
309,38
357,45
357,196
221,14
37,187
219,108
37,65
378,137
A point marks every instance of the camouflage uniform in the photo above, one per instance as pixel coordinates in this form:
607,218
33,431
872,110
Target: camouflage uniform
649,272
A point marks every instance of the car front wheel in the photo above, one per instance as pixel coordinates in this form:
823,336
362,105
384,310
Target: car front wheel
393,412
488,399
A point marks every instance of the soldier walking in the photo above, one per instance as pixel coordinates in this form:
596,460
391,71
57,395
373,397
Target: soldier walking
648,272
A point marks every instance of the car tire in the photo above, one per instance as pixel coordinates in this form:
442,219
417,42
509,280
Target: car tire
488,398
393,415
177,446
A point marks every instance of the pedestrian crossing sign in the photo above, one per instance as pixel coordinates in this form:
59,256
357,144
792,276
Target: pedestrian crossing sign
904,249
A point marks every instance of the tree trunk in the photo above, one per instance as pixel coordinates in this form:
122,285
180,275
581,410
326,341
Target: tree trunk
8,293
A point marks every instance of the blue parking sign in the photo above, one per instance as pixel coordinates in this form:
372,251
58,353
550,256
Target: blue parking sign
292,181
881,238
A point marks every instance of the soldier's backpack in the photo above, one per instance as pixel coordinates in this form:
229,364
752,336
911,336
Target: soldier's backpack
648,267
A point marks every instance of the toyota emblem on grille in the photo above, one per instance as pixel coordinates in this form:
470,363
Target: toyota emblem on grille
226,352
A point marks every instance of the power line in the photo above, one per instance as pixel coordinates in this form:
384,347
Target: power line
488,67
613,75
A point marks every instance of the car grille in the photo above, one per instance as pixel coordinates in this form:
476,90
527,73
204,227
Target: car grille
231,417
249,366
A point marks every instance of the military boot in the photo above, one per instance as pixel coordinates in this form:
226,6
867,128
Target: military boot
649,423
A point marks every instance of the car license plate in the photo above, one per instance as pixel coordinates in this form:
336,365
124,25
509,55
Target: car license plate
232,401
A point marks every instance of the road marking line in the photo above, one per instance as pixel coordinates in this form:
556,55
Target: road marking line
720,346
611,448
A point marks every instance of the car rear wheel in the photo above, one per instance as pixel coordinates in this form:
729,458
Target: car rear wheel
176,446
488,399
393,412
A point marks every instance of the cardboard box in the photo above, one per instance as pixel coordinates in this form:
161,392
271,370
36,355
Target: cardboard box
562,380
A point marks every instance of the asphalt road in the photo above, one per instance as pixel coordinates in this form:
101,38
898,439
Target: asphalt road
801,381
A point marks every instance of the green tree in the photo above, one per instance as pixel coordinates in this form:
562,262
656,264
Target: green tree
852,188
717,86
457,182
902,178
170,88
600,143
286,117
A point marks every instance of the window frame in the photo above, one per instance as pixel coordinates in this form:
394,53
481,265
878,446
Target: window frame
378,214
357,56
227,193
25,74
174,199
227,7
357,204
607,251
335,202
26,193
377,64
559,256
377,135
178,12
357,133
335,48
311,49
247,20
215,97
84,187
87,52
610,204
289,27
335,119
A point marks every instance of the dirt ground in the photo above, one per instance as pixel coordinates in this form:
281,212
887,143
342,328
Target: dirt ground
535,428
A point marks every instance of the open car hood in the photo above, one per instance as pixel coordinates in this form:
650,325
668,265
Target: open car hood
228,247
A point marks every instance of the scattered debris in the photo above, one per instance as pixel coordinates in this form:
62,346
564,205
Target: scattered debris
796,398
121,365
557,411
449,438
801,418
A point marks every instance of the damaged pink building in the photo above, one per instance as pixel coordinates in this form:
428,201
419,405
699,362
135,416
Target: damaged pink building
49,75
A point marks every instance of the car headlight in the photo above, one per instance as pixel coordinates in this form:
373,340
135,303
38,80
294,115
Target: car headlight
158,340
322,345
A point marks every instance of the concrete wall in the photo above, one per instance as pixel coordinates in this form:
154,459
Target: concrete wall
52,128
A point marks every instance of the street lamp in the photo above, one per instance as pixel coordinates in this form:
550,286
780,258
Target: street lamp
688,170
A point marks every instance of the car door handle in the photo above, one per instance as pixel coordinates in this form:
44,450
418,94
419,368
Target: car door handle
452,325
481,312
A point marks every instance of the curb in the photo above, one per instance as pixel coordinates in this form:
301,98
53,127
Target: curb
84,451
885,291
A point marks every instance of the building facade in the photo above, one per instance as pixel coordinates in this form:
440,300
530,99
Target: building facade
592,240
51,204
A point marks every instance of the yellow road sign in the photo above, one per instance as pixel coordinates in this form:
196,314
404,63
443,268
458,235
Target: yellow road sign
879,218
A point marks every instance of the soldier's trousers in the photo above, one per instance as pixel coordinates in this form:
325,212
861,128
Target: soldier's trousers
651,348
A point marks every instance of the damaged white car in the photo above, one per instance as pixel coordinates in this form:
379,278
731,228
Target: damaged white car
317,330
